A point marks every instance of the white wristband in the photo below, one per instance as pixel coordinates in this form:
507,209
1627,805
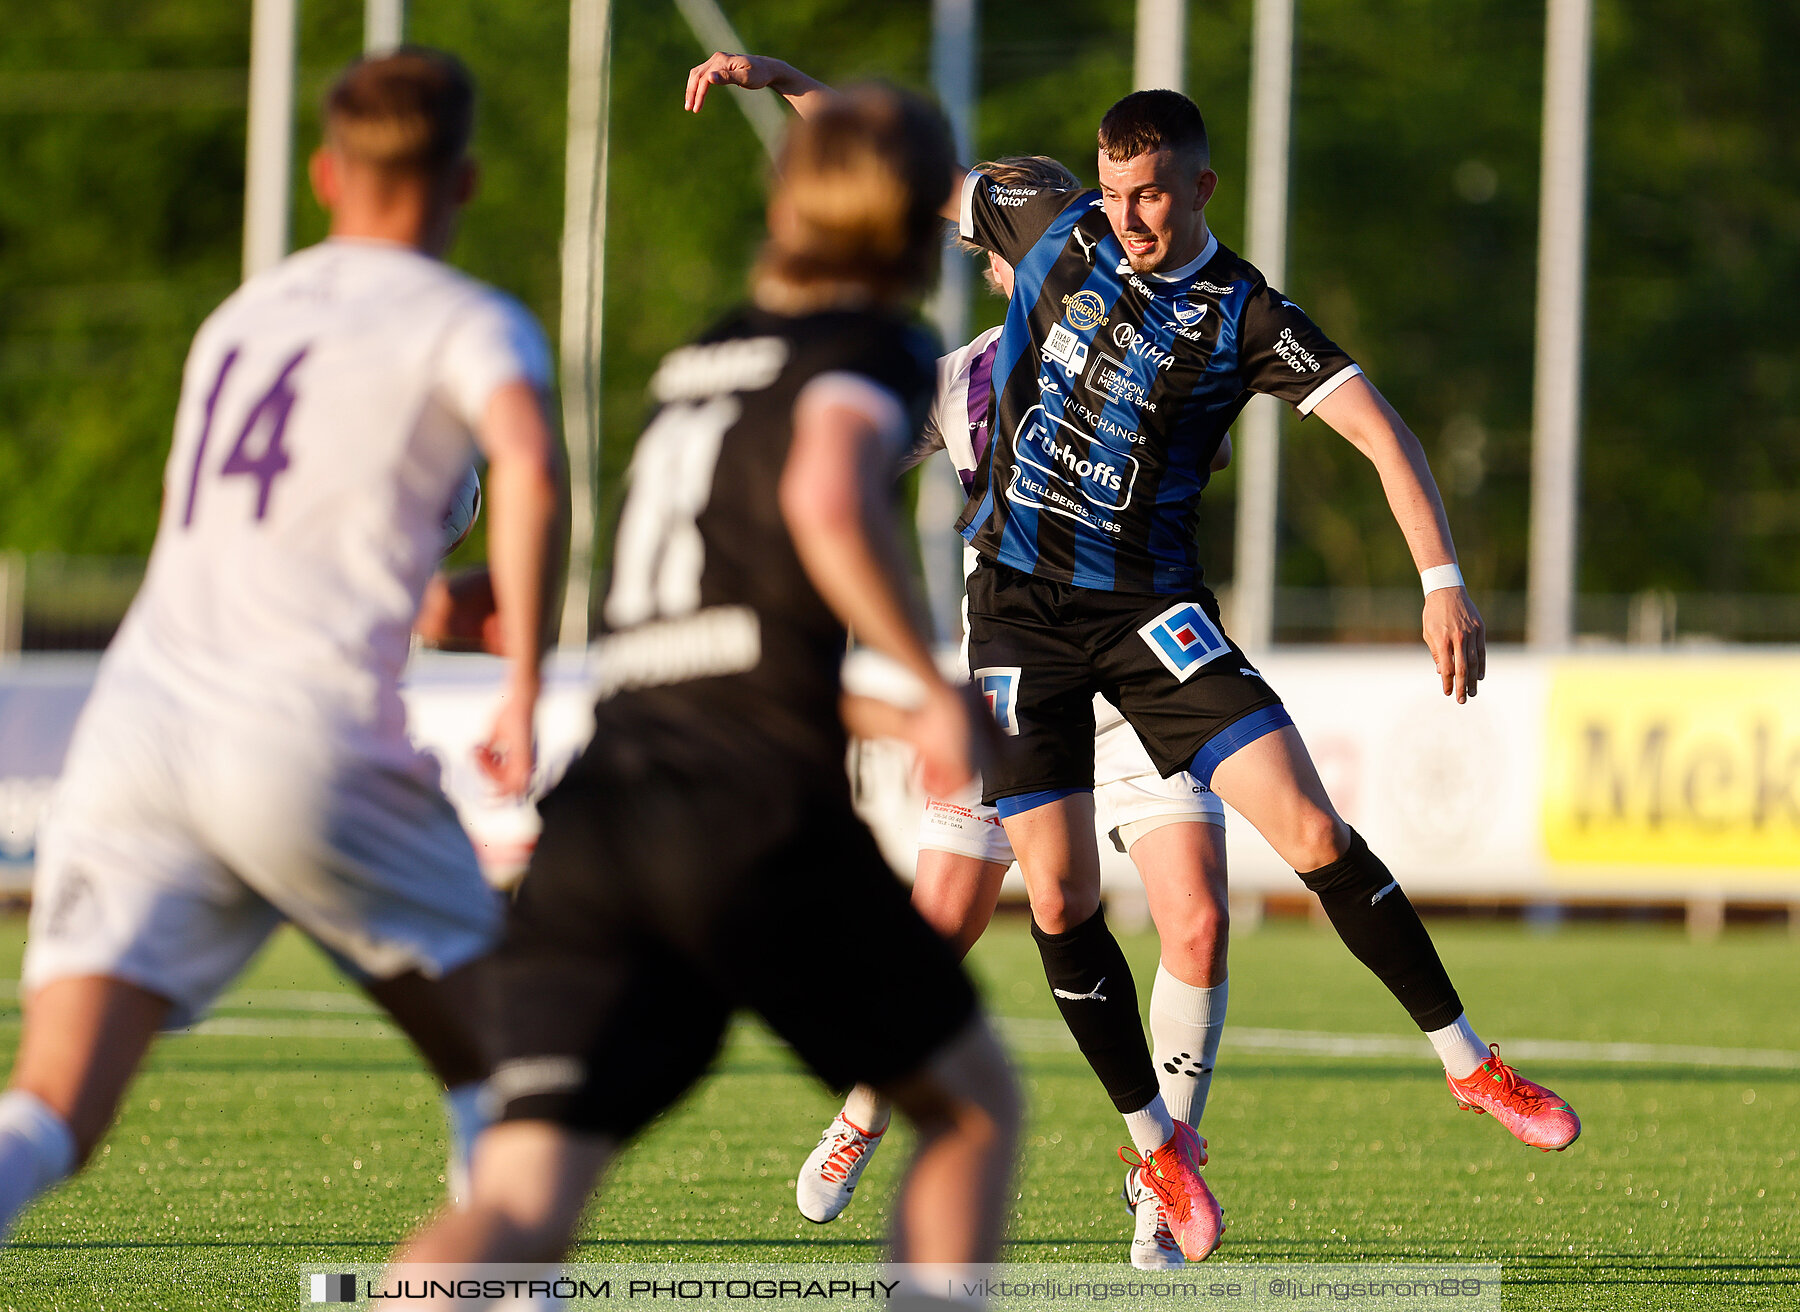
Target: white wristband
1440,576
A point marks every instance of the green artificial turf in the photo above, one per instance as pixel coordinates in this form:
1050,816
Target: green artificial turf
303,1132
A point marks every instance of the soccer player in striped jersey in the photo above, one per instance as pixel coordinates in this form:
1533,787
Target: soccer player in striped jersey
1132,341
1173,829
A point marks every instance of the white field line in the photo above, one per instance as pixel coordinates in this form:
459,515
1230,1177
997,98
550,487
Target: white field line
262,1027
1021,1033
258,1027
1050,1036
271,999
301,1000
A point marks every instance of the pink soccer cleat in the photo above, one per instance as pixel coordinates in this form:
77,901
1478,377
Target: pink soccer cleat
1533,1113
1172,1173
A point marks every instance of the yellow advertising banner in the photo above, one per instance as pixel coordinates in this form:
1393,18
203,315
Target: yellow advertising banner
1679,762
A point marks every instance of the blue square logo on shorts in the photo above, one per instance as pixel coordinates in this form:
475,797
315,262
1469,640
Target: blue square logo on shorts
1184,639
999,686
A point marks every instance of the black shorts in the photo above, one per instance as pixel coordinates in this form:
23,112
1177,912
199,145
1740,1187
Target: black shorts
1040,650
662,897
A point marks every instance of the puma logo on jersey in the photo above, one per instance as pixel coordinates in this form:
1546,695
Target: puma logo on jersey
1095,996
1087,244
1391,886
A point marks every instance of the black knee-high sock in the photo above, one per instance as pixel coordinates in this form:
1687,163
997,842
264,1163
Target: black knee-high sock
1377,923
1098,999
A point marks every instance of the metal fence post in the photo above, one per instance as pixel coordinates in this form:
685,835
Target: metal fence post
12,601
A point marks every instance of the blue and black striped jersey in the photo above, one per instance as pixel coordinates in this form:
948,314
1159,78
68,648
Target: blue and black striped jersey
1113,390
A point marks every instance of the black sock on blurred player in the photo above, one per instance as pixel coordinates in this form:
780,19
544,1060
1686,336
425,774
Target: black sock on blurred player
1372,915
1098,999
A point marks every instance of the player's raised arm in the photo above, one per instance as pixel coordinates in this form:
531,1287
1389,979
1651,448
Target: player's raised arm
753,73
1452,626
805,93
523,497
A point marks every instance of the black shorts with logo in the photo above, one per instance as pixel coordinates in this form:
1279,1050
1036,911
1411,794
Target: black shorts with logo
1039,650
671,887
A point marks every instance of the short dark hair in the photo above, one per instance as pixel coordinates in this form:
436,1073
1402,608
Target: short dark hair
1147,121
411,111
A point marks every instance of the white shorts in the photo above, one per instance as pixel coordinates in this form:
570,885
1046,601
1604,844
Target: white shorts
1130,799
172,849
962,825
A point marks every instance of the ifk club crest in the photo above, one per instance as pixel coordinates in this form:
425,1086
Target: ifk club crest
1189,310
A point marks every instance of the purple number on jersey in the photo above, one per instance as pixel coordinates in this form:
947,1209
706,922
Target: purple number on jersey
212,401
276,404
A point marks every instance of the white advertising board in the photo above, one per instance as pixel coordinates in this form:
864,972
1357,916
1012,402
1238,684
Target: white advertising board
1608,774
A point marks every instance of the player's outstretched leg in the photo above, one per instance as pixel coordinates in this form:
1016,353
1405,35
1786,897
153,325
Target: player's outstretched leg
1379,924
956,894
1273,783
81,1044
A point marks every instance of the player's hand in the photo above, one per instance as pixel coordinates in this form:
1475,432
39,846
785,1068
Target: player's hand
1457,640
751,72
506,756
944,732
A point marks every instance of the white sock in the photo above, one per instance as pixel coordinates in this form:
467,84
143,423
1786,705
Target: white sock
36,1152
1459,1047
1185,1026
1151,1126
462,1109
867,1110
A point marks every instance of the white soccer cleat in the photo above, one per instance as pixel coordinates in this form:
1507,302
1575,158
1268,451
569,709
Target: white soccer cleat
1153,1246
829,1175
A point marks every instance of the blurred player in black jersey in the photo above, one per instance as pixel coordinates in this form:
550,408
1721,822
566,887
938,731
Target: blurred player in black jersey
704,846
1133,340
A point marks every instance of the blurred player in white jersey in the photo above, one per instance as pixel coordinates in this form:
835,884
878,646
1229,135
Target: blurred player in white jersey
1173,829
243,759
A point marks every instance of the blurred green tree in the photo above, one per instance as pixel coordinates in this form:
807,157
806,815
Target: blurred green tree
1413,241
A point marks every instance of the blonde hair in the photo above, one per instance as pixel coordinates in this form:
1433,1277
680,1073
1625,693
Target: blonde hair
853,212
408,112
1036,171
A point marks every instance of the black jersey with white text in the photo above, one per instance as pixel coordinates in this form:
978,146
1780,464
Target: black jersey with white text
710,622
1113,390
